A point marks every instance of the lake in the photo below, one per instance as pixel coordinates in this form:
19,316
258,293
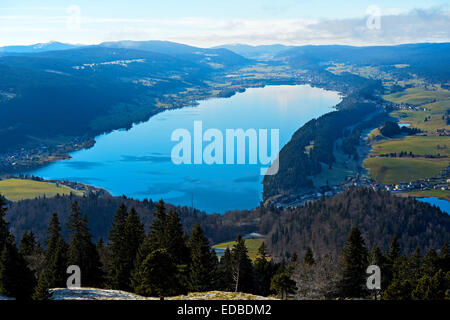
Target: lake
444,205
137,162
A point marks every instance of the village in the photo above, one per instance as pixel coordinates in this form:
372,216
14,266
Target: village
440,182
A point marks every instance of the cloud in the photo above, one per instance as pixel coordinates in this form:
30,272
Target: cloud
415,26
396,26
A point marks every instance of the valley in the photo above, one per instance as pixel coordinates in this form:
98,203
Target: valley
216,154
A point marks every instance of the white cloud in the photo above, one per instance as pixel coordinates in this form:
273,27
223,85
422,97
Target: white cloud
397,26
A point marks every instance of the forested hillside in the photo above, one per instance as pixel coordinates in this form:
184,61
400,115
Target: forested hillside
427,59
323,225
81,92
35,214
297,164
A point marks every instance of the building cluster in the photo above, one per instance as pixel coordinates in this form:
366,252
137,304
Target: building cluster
440,182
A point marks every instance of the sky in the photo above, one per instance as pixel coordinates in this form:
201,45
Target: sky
208,23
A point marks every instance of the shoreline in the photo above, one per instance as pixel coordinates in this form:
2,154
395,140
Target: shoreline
33,158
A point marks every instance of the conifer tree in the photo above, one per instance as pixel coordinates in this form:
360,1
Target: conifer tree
354,265
55,255
431,288
376,257
156,239
5,236
309,257
398,289
27,244
242,267
414,265
126,236
203,271
82,252
226,271
117,276
158,235
444,258
157,275
430,263
134,234
16,279
264,271
394,250
391,256
41,291
176,239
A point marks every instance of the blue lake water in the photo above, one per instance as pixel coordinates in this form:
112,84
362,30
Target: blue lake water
444,205
137,163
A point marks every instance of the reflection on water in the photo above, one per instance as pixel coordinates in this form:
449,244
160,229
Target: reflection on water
137,162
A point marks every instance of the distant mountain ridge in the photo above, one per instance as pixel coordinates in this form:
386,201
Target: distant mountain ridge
431,60
38,47
98,88
261,52
214,57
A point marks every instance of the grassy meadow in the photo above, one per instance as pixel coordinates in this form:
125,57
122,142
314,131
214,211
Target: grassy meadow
434,103
19,189
418,145
394,170
252,246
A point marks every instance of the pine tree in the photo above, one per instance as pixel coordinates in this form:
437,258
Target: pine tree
398,290
226,271
82,252
264,271
27,244
309,257
394,250
158,235
431,288
377,258
16,279
55,255
157,275
430,263
444,259
355,261
155,240
176,240
134,236
242,267
41,291
126,237
203,271
117,276
103,252
414,265
5,236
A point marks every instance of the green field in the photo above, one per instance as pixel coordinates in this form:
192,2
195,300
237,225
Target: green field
395,170
19,189
252,246
418,95
429,145
416,118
